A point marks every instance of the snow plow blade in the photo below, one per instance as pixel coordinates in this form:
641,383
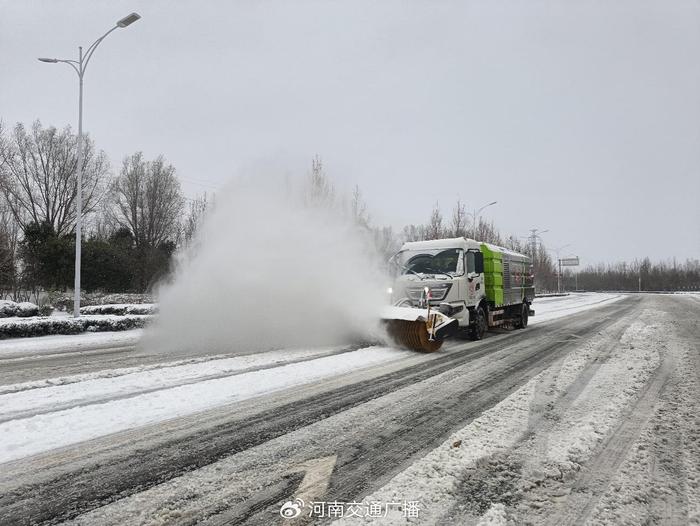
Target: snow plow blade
418,329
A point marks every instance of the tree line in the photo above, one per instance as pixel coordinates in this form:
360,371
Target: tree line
642,275
133,221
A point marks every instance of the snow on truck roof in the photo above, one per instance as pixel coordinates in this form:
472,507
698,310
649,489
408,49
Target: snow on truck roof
458,242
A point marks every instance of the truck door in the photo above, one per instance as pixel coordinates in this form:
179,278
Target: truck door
475,276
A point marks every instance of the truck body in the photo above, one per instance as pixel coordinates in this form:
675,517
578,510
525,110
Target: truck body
469,286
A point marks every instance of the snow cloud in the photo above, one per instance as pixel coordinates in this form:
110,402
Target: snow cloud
269,270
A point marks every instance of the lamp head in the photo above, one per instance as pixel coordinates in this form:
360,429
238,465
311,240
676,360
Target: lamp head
128,20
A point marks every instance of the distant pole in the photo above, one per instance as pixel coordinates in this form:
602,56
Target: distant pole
79,66
640,281
559,277
534,236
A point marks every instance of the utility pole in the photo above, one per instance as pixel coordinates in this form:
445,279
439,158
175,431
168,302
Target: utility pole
559,278
533,238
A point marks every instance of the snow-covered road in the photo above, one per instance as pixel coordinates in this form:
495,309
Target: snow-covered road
183,426
43,414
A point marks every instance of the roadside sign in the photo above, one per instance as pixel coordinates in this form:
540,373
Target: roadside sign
569,262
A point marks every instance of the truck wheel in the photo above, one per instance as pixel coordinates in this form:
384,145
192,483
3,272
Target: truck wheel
480,325
524,316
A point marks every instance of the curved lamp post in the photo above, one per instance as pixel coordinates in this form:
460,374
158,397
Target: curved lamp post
79,66
475,214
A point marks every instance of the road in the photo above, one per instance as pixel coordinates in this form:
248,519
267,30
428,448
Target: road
350,436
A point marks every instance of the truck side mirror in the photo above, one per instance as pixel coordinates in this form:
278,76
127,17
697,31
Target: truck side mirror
478,263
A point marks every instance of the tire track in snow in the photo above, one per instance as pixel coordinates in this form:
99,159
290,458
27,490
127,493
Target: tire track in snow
593,481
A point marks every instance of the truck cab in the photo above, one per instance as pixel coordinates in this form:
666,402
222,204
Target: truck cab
452,271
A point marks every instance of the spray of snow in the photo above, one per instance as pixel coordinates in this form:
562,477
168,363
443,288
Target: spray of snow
270,270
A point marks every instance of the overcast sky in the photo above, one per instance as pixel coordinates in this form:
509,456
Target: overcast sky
580,117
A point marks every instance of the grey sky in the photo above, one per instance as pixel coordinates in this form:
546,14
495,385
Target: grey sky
579,117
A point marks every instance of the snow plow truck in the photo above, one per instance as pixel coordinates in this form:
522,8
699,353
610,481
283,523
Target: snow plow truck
452,287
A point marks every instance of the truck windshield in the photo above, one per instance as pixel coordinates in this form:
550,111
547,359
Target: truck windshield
449,262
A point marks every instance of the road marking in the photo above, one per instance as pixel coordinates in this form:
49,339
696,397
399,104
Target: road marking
313,486
318,476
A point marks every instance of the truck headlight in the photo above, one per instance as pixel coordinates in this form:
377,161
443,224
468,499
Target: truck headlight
439,292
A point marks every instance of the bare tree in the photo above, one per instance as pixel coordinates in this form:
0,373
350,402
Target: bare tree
197,208
320,191
385,242
459,220
358,208
148,200
414,233
38,175
9,241
487,232
435,229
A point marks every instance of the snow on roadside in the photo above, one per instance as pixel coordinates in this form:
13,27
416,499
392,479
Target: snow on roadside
554,307
435,479
28,436
67,343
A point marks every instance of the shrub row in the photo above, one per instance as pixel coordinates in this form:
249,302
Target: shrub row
58,325
63,301
121,309
10,309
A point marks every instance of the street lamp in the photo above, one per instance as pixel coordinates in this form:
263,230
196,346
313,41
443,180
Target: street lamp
476,213
79,66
